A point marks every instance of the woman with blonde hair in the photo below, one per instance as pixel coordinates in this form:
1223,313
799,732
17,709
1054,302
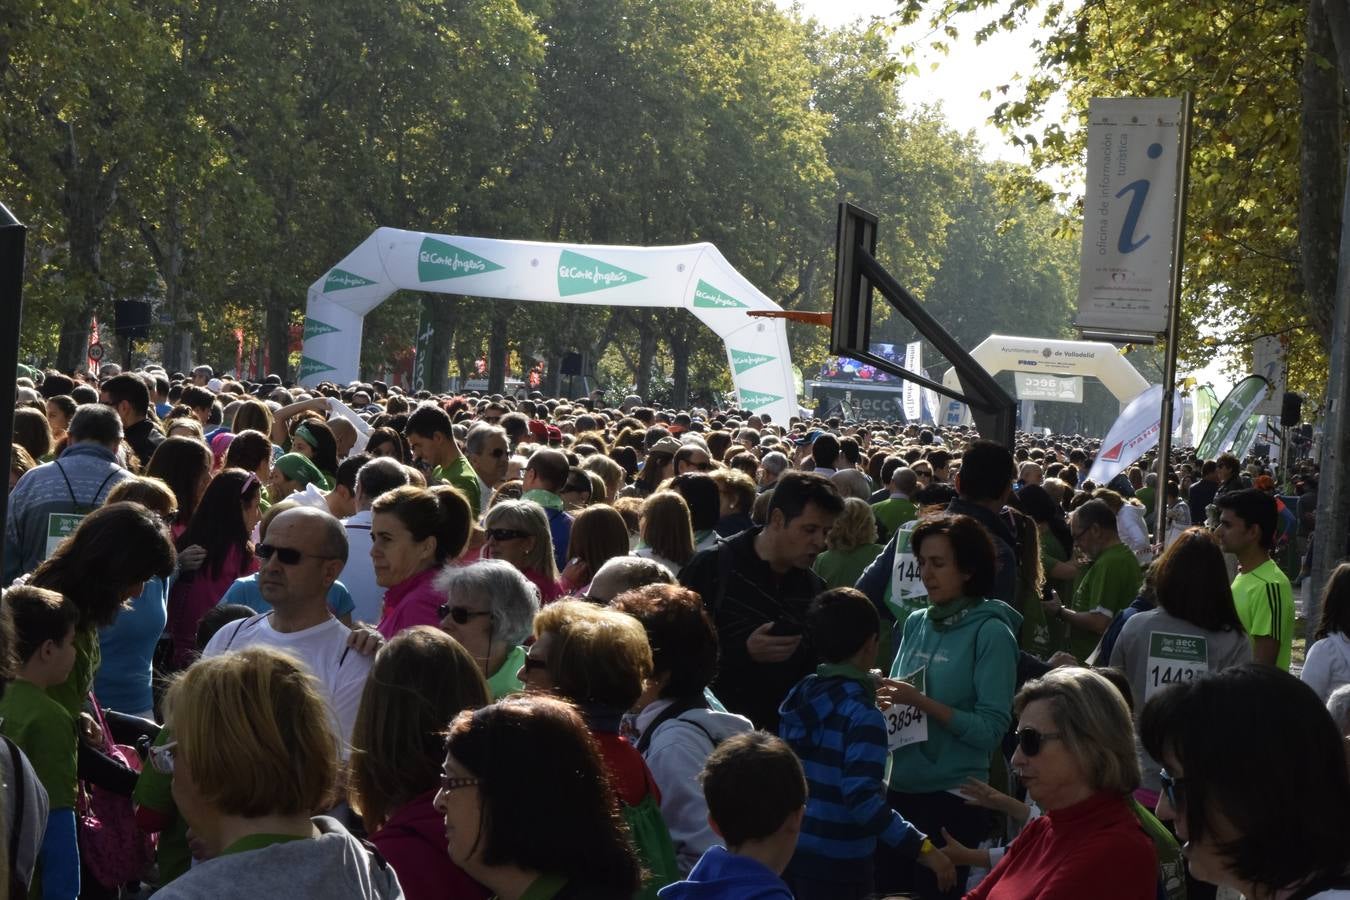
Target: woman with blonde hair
851,545
667,531
518,532
420,681
254,760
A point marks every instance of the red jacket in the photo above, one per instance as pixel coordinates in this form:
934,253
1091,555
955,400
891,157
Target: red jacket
628,771
1092,849
413,843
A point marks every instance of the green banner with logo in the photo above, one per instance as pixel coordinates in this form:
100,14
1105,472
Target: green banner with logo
1231,416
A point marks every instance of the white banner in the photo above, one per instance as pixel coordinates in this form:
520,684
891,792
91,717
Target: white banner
1133,434
912,397
1048,387
932,406
1269,362
1133,158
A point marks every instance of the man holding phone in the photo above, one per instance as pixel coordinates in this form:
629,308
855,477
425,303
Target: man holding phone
757,586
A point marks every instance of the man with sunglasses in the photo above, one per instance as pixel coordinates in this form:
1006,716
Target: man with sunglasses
304,553
1110,584
489,452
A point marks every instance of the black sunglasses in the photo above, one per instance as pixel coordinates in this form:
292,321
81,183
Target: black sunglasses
1174,788
458,614
1030,740
506,534
288,556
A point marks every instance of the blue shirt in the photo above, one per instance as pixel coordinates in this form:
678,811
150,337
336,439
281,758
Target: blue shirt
245,591
127,649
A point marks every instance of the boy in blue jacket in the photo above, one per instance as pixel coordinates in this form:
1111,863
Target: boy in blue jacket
831,721
756,797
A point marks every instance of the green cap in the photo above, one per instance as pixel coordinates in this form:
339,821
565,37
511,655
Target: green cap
298,468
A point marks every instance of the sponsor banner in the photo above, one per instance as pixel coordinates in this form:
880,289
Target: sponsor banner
438,261
310,367
1133,158
578,274
708,297
1134,433
912,399
1231,415
743,361
1268,361
1246,436
342,280
1205,402
314,328
756,400
1048,387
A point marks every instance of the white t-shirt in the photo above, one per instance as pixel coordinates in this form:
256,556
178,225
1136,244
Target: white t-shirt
341,670
358,575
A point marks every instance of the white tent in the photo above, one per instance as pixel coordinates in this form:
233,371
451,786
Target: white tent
1045,356
696,277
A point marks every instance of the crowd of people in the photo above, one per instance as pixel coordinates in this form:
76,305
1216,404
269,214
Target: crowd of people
351,642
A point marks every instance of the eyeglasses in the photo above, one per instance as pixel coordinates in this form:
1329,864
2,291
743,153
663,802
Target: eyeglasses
1174,788
506,534
1030,740
460,615
161,758
453,784
287,556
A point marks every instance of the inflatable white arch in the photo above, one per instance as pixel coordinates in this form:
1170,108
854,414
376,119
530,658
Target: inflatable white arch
1043,356
696,277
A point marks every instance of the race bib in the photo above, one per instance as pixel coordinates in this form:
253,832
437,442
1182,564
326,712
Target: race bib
906,725
59,527
907,590
1174,658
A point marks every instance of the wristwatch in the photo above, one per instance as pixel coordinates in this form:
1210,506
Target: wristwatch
926,847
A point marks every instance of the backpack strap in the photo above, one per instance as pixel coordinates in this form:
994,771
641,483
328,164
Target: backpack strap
673,711
723,575
242,622
104,484
16,764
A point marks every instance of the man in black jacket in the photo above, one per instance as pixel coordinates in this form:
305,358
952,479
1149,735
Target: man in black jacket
757,586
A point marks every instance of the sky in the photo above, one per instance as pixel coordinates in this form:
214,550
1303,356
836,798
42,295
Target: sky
961,75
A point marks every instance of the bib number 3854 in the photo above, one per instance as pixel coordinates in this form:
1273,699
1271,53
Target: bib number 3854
906,725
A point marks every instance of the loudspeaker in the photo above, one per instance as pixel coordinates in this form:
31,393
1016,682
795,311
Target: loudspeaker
131,319
1291,410
571,364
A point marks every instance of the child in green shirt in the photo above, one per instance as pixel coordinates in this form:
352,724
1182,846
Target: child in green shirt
44,631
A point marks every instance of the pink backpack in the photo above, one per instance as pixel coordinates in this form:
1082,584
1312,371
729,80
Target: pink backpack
112,847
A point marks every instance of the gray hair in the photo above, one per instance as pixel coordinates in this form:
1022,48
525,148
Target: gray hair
96,423
512,598
774,463
380,476
478,435
1338,704
851,483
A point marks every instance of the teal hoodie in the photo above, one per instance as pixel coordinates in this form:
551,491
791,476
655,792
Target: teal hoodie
970,664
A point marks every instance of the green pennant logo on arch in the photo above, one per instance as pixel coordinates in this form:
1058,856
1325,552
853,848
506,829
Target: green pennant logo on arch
744,362
311,366
579,274
753,400
437,261
708,297
314,328
341,280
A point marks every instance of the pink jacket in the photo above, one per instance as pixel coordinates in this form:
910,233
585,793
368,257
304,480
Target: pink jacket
411,602
413,841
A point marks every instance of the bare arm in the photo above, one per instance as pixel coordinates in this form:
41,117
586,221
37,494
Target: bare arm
282,417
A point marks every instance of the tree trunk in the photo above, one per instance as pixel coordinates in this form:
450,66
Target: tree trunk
680,350
642,378
1320,184
277,329
71,352
497,346
441,310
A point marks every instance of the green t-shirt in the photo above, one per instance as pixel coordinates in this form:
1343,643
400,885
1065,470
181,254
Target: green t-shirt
1265,604
74,691
895,512
1147,496
461,475
46,731
504,680
154,790
1110,585
842,568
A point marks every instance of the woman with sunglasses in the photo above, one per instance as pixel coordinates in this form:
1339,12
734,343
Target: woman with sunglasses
222,525
254,759
1255,782
1194,631
420,681
517,532
490,608
1075,755
952,684
413,533
528,823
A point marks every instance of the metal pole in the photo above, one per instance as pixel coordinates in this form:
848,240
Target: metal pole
1173,322
12,236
